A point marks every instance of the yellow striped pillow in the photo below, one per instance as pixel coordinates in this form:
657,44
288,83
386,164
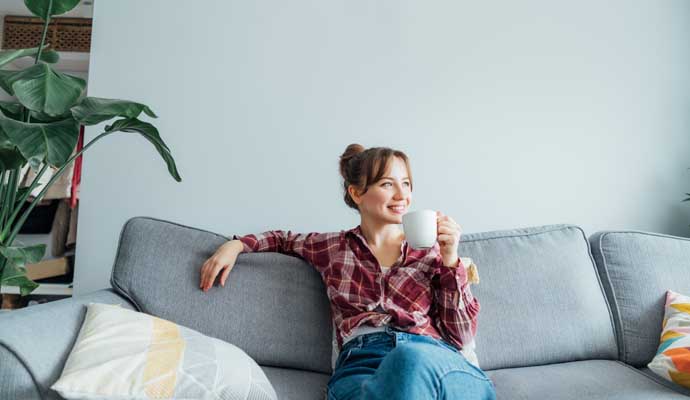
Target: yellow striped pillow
121,353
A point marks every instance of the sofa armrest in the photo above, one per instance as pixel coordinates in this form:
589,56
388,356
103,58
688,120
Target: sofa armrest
35,342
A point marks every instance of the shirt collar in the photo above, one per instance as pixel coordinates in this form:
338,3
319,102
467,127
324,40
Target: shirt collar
357,232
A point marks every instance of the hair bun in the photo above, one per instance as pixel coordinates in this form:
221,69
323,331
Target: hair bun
350,152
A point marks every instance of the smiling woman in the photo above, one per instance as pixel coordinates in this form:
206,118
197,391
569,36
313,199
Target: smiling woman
404,318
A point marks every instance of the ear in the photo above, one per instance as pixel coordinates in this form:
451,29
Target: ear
352,190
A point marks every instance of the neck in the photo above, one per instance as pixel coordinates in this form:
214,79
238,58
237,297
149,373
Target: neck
381,234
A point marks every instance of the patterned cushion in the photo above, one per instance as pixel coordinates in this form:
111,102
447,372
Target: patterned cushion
121,353
672,360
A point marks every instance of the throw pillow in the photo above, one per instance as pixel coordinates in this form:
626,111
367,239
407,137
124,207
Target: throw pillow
672,360
124,354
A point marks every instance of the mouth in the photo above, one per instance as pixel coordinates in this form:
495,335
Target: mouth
397,209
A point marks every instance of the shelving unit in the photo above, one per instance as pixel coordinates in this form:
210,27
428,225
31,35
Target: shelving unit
73,63
45,289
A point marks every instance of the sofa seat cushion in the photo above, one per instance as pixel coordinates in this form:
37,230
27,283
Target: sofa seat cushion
591,379
664,382
294,384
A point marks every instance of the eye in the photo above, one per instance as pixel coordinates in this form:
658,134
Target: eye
386,183
407,183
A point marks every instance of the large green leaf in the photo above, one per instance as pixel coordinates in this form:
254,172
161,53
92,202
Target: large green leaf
7,78
15,111
12,276
149,132
11,110
46,8
51,142
94,110
40,88
21,256
14,273
39,80
10,158
8,56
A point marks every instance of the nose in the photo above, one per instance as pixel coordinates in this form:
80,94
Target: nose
399,192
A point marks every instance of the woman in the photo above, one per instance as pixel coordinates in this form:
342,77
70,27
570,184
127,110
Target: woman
402,315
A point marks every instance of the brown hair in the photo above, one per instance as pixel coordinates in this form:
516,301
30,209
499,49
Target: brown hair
362,168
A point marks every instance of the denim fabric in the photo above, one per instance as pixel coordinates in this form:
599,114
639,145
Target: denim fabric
398,365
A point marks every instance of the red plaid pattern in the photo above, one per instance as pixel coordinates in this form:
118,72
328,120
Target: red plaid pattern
417,295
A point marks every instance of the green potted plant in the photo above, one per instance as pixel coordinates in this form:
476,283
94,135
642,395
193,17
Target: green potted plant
41,129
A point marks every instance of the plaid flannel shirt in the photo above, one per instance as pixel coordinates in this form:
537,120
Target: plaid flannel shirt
418,294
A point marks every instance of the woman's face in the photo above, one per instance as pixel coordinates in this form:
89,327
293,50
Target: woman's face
387,200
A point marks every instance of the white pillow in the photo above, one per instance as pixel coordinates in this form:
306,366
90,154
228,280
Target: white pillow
124,354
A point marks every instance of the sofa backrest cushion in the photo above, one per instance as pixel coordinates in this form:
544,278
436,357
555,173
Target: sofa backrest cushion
540,296
637,268
274,307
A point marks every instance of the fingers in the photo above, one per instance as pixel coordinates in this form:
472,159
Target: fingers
221,261
202,275
224,276
447,239
440,217
211,276
209,271
449,231
206,275
450,224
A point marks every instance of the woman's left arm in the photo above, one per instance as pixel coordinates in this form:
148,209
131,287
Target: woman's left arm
457,309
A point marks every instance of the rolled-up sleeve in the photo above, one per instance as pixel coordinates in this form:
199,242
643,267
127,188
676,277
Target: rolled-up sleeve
315,248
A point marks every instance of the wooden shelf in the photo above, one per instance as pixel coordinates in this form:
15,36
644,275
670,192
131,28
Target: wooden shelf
60,289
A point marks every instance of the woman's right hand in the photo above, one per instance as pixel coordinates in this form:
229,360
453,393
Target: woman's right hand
222,260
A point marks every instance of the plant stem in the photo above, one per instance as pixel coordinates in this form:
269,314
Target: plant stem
14,183
6,228
3,189
40,196
3,261
45,32
11,186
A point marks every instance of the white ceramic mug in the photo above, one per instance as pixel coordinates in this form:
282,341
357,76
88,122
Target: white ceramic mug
420,228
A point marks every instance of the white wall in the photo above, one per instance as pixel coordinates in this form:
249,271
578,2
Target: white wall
513,113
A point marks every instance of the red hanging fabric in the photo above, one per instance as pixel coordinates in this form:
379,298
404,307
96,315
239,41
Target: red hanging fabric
76,176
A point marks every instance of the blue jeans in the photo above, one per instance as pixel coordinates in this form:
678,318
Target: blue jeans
394,365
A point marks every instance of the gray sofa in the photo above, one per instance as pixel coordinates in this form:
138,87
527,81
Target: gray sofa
563,316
